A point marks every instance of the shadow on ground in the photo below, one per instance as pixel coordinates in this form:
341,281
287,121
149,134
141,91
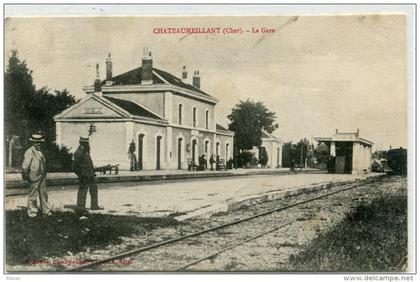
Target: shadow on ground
29,239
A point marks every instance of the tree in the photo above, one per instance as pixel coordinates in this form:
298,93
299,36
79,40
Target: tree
302,148
321,154
19,92
43,109
289,154
247,120
28,110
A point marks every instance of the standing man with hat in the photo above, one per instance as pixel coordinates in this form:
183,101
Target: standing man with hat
83,167
34,171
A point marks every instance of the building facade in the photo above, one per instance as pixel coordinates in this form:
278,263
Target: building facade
351,153
273,146
170,121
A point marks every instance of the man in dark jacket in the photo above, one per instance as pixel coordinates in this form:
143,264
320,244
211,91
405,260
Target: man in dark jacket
84,169
212,161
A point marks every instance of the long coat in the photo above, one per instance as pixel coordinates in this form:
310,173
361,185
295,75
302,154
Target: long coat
33,165
82,164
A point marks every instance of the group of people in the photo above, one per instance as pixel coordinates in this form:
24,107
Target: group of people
215,163
34,172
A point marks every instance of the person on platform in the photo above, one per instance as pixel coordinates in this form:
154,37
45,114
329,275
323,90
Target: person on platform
34,172
292,166
230,163
85,171
211,162
132,156
204,162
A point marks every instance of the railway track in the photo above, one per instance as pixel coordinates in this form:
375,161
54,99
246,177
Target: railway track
265,216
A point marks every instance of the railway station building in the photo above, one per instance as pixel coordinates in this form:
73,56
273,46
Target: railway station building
170,121
352,154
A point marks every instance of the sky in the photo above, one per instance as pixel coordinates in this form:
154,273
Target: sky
317,73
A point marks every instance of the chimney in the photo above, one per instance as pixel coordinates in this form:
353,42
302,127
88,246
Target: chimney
196,79
184,74
109,70
357,133
97,84
147,67
336,131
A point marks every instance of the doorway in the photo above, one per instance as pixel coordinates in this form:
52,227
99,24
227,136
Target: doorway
344,157
140,152
179,153
194,151
158,141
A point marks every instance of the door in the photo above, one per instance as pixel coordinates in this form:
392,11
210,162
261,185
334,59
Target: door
340,162
207,152
158,139
179,153
140,152
194,148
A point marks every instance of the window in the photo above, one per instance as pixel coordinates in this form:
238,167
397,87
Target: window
206,147
207,119
180,113
195,117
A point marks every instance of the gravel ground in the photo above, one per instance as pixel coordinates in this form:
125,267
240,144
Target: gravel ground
268,253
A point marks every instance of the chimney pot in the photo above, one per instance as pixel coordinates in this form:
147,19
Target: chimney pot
184,74
109,70
97,83
147,67
196,79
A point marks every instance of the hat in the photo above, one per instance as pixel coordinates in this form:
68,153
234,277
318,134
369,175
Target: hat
84,139
36,138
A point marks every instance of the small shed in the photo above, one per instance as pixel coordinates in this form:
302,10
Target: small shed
273,147
349,153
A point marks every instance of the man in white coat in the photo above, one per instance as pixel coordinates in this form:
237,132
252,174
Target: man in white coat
34,171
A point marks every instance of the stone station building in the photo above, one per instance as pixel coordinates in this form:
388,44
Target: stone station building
170,121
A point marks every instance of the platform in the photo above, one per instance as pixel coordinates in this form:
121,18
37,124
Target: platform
184,200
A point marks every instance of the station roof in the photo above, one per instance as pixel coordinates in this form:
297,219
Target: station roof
132,108
344,137
219,127
268,137
159,77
